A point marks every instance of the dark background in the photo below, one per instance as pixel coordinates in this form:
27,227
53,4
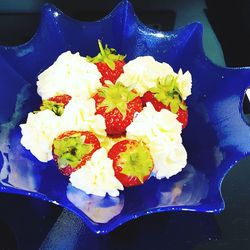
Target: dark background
230,20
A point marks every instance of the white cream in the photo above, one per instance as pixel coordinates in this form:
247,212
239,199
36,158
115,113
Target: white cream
70,74
150,125
161,131
169,157
143,72
80,115
184,83
39,132
97,177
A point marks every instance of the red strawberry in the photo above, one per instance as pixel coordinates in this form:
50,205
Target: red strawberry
56,104
72,149
118,105
182,117
167,95
149,97
132,162
109,63
64,99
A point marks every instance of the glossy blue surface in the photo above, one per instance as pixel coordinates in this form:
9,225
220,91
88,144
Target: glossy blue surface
216,138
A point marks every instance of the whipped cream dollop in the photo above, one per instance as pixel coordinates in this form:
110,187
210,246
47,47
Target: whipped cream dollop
161,132
97,177
143,72
79,114
70,74
39,132
184,83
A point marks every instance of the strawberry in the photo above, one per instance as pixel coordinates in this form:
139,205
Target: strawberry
109,63
64,99
56,104
166,95
118,105
72,149
132,162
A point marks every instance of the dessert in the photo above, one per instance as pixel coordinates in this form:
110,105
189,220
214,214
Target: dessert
109,124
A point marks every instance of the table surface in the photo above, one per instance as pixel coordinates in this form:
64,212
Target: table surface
32,224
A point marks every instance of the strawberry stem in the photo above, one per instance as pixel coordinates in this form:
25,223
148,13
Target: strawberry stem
57,108
106,55
71,150
136,160
101,48
167,92
116,96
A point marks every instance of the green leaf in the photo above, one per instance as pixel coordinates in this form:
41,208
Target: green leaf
102,51
174,107
183,106
175,104
109,62
57,108
106,55
136,161
71,150
116,96
166,91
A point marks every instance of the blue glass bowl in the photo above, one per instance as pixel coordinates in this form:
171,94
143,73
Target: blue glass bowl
216,138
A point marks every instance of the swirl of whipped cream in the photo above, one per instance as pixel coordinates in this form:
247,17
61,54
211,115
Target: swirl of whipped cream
184,83
143,72
39,132
161,131
70,74
79,114
97,177
169,157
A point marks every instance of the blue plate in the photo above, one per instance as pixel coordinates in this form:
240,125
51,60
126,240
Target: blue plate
216,138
